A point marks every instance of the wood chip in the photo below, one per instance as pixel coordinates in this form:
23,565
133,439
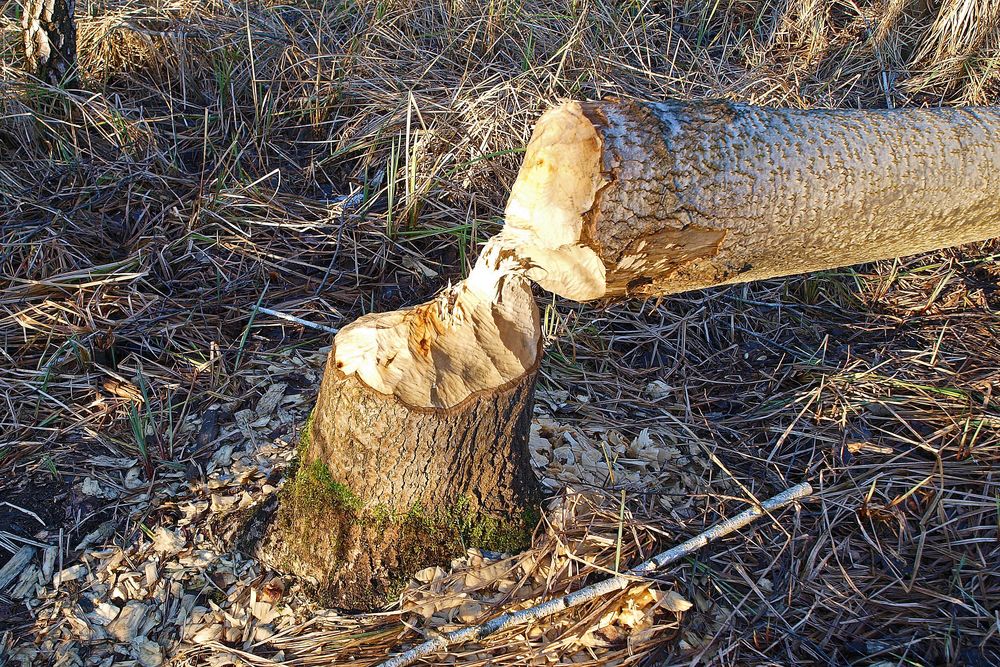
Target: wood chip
49,555
125,627
269,401
71,573
12,568
675,602
26,583
209,633
209,430
149,570
223,456
243,419
166,541
102,532
104,613
148,653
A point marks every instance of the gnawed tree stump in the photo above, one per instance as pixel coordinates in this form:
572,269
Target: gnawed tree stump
49,35
417,446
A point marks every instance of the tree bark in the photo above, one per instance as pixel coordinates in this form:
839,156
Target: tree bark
669,197
50,40
384,490
394,478
400,457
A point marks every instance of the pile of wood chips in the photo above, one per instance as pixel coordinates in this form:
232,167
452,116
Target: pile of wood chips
167,587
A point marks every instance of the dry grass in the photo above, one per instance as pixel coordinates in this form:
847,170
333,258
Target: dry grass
322,160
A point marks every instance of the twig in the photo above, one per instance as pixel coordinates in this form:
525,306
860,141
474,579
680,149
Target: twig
297,320
28,512
477,632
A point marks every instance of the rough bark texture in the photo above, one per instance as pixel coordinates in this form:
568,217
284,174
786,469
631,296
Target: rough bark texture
693,195
707,194
396,457
384,489
50,40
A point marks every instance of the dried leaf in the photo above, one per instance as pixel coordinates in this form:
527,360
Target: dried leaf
429,574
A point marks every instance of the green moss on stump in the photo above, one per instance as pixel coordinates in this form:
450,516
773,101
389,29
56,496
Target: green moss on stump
314,490
305,437
485,531
313,484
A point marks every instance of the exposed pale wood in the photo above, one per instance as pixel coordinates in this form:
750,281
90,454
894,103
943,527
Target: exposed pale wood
475,336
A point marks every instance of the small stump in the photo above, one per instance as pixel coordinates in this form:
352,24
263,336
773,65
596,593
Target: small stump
386,485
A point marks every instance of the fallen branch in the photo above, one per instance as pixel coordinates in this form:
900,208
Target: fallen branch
298,320
587,593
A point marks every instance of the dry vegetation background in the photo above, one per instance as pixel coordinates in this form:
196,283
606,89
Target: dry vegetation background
226,161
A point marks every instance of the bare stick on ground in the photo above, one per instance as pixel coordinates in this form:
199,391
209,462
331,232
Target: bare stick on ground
587,593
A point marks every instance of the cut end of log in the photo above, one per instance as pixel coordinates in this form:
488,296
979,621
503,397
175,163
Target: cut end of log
478,335
558,184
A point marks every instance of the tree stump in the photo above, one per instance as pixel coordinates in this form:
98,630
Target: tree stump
50,40
393,478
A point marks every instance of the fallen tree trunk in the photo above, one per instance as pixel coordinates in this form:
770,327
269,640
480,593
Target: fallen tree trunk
628,199
417,445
